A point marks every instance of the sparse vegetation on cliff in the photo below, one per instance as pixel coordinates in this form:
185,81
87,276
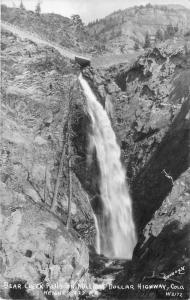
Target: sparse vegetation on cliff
53,27
163,22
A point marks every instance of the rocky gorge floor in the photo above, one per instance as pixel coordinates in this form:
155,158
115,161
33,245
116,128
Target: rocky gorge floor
148,103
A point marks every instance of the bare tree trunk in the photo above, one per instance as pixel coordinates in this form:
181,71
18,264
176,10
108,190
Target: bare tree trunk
45,182
60,171
69,179
66,145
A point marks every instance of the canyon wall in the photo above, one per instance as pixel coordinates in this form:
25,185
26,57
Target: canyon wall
39,87
149,105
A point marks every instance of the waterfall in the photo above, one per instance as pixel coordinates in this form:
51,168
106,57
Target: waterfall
98,249
116,230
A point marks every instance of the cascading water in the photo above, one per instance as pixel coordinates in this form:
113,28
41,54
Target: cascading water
116,231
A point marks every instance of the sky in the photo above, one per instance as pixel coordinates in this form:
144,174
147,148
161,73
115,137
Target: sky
89,10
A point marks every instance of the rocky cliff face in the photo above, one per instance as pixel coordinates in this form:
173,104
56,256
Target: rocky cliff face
162,255
37,251
38,87
149,104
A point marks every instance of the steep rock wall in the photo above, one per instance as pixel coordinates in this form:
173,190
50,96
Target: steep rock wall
38,86
148,103
162,254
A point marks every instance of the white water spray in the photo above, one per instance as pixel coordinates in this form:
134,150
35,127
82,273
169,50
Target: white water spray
116,230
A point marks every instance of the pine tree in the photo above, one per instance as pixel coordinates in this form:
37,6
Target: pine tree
21,5
77,21
159,35
38,8
149,5
169,32
147,43
136,46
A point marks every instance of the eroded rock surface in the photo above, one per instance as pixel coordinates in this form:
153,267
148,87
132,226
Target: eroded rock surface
148,103
37,87
162,254
36,248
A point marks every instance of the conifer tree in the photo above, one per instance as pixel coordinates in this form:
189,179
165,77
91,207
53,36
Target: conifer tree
38,8
159,35
136,46
170,31
147,43
77,21
22,5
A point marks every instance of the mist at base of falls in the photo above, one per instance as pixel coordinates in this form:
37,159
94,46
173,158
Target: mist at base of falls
115,228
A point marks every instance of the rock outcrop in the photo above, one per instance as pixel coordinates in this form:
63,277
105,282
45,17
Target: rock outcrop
39,92
37,251
162,254
149,105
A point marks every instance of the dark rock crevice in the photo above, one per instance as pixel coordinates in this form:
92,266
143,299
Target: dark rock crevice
137,72
151,186
157,258
151,120
157,142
